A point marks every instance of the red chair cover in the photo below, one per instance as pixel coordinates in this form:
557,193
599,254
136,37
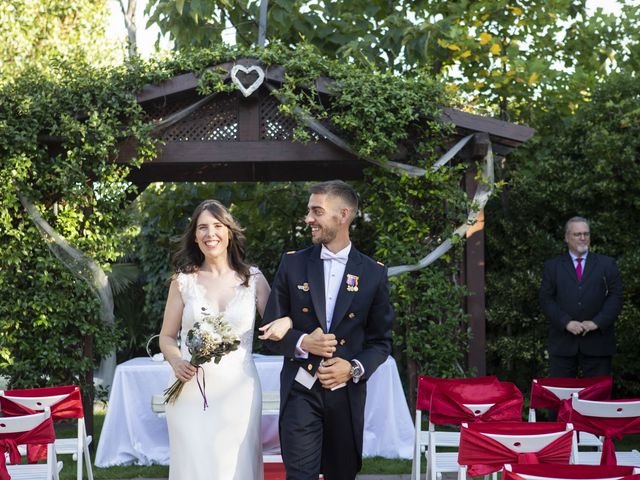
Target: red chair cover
570,472
427,384
484,455
42,434
68,407
610,428
595,388
448,399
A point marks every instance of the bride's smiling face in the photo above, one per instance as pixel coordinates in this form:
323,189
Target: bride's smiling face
212,236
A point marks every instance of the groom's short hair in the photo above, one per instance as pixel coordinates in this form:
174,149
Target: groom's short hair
340,189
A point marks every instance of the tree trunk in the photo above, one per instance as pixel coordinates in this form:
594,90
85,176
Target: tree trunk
412,381
87,389
130,22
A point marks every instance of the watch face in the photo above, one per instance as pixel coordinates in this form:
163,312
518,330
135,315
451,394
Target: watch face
356,371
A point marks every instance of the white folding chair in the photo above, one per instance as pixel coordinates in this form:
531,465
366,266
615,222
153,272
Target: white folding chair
449,439
549,393
457,403
609,418
34,429
486,448
57,399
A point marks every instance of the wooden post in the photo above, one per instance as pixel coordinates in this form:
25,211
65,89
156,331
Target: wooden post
87,389
474,265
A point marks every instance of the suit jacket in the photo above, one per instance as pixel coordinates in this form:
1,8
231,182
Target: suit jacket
597,297
361,319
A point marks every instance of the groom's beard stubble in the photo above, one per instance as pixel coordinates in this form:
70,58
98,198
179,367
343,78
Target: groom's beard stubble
327,234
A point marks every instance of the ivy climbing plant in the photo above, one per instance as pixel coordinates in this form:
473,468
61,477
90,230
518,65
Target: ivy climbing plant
59,137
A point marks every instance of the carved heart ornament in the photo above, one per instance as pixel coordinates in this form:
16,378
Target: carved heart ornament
246,91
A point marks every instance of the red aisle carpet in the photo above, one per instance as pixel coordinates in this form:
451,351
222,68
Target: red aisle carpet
275,471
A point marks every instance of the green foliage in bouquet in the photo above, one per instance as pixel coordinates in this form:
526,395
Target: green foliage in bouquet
211,339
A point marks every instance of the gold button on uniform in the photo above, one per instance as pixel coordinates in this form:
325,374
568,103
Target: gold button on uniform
309,367
342,341
351,315
305,310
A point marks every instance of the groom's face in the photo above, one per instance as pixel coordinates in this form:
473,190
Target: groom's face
323,216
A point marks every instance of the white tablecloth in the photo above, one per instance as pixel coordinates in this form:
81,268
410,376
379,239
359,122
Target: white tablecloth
133,434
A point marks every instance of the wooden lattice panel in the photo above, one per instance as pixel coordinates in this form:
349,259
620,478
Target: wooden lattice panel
274,125
161,108
214,121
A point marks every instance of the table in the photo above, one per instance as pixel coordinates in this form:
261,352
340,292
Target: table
133,434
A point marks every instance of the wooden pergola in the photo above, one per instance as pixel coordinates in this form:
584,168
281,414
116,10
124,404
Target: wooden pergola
238,138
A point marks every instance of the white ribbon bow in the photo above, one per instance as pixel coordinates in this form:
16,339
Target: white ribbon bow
326,254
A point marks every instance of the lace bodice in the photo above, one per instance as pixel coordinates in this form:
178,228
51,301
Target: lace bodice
240,311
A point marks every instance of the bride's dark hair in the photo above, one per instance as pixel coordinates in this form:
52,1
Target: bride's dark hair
189,258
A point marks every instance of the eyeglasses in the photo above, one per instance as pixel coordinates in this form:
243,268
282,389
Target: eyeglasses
581,234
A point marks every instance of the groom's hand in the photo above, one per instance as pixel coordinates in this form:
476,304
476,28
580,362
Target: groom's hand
319,343
334,371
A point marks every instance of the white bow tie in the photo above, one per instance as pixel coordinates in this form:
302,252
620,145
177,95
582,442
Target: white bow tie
326,254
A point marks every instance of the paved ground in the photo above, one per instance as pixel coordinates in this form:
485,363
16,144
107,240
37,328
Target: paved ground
383,477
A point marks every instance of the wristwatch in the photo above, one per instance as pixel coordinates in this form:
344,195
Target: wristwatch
356,370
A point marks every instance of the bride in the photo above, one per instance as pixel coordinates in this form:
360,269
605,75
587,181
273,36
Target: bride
222,441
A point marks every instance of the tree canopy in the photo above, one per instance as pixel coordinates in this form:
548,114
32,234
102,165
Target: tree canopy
36,34
508,57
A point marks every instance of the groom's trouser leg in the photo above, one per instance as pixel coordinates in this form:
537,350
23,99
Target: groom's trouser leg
340,458
301,432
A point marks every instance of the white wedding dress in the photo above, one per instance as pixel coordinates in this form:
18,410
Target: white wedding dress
222,442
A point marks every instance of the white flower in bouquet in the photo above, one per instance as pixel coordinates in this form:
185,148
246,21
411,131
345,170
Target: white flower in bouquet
210,338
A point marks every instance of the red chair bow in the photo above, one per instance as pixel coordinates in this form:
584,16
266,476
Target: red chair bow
609,427
483,454
68,407
427,384
11,447
593,388
450,403
41,434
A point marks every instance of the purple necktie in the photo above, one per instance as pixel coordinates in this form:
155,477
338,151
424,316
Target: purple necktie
579,268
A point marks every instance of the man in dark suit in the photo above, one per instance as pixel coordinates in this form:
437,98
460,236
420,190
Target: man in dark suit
338,301
581,294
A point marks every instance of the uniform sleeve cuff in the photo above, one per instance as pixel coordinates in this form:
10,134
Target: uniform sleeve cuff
300,353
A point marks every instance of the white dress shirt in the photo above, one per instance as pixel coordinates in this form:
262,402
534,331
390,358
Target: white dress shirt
333,273
575,260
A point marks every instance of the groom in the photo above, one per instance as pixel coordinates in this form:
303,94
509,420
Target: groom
339,303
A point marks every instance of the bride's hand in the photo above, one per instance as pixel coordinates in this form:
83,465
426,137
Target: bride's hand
276,330
184,370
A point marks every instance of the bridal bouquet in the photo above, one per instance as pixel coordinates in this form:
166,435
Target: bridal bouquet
209,339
